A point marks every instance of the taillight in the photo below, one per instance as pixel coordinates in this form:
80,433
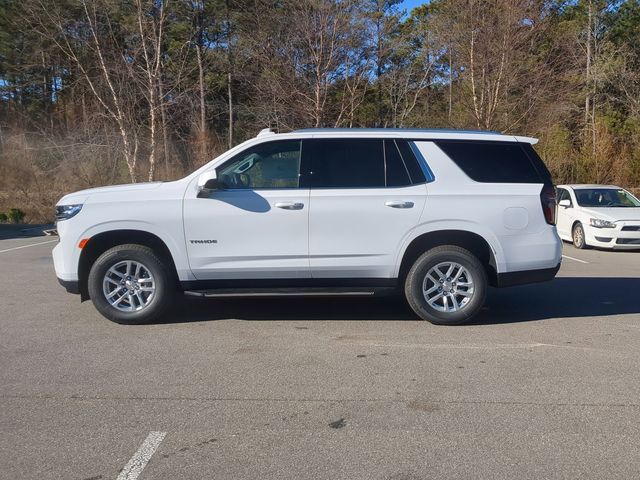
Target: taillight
548,201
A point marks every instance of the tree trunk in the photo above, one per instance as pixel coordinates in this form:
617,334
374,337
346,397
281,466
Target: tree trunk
587,98
165,133
450,82
230,95
229,72
202,127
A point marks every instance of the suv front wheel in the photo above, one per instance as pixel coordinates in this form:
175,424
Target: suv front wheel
130,284
446,285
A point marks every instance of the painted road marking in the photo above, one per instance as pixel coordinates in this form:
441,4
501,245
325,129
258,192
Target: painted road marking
574,259
27,246
140,459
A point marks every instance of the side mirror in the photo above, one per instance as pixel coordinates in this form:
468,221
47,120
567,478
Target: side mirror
565,203
207,183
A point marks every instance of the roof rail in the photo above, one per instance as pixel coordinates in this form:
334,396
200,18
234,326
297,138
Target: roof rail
414,130
264,132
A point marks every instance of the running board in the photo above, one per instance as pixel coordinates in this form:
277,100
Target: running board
290,292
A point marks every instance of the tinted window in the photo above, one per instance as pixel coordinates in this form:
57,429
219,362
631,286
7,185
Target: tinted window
605,197
410,160
397,174
537,163
495,162
563,194
345,163
268,165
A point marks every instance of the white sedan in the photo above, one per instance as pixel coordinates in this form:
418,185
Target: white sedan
603,216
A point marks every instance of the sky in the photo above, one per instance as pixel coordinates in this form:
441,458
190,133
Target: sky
411,4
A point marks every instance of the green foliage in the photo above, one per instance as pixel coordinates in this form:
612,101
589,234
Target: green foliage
16,215
3,217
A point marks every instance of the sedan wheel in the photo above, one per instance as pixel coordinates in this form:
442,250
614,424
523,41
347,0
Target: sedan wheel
578,237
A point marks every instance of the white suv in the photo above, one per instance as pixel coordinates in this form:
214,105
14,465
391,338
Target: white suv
440,215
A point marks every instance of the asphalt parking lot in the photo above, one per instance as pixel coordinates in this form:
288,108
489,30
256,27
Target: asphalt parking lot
544,384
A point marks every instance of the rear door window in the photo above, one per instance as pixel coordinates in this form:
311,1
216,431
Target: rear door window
345,163
496,162
359,163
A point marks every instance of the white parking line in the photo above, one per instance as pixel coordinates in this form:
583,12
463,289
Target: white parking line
574,259
140,459
27,246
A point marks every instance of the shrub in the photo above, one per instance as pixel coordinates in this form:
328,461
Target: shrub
3,217
16,215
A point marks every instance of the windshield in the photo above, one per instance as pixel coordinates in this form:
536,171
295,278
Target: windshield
605,197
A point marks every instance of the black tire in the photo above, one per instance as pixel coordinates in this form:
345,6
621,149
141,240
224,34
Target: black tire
416,277
577,236
163,275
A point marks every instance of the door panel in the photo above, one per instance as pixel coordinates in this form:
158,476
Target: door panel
565,215
366,195
356,233
256,225
254,236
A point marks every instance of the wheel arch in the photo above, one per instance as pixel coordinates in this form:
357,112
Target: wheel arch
101,242
468,240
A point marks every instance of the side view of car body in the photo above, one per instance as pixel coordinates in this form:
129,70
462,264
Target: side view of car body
438,215
603,216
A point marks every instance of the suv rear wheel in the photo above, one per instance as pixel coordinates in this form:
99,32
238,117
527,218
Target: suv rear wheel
446,285
130,284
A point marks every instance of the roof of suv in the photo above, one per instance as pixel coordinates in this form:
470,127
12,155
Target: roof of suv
412,133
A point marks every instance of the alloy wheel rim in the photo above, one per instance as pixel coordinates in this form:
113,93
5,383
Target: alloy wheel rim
448,287
128,286
577,236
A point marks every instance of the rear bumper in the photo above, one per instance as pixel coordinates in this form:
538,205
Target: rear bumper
71,286
511,279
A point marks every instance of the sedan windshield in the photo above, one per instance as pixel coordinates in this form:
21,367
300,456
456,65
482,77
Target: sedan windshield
605,197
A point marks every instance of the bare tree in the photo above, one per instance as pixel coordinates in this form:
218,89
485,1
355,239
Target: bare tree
85,47
493,43
150,21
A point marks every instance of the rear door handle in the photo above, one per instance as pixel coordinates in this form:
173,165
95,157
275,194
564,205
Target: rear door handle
399,204
290,205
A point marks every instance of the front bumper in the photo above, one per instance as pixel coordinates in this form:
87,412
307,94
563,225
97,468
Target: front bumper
626,236
65,259
71,286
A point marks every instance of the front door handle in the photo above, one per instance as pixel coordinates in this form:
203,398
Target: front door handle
290,205
399,204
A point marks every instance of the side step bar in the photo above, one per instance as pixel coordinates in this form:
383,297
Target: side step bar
291,292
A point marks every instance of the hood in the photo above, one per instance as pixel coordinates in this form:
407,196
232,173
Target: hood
614,214
81,196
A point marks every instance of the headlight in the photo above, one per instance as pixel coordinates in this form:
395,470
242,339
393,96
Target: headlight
596,222
64,212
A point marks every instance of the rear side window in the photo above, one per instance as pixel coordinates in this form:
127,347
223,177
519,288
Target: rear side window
412,163
497,162
397,173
